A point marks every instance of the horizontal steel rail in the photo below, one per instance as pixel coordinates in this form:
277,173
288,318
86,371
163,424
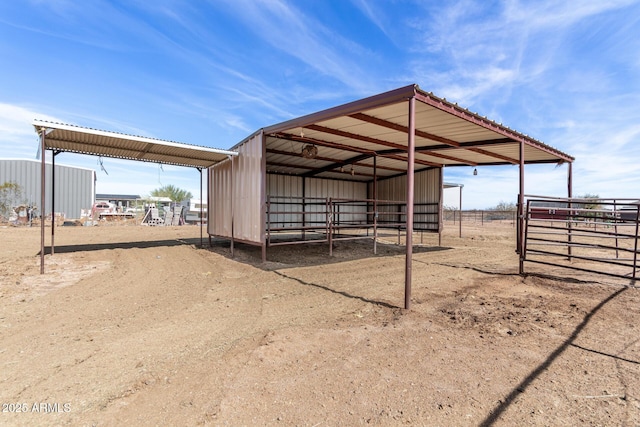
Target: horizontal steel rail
292,217
572,224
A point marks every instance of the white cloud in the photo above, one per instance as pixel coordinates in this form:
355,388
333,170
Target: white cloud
482,50
18,136
299,35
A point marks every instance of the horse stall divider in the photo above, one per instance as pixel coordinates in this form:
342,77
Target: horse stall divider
291,220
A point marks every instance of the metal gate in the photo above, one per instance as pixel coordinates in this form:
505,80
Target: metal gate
592,235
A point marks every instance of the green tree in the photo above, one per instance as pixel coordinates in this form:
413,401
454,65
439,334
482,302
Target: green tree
176,194
10,196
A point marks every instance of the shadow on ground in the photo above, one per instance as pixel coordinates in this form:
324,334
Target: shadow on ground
65,249
313,253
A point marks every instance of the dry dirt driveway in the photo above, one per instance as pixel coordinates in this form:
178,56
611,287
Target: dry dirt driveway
139,326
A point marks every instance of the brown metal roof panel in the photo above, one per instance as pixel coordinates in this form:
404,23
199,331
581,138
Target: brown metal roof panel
396,113
366,130
386,98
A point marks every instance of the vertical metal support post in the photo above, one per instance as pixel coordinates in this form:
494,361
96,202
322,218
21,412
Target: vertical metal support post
208,203
42,195
570,206
233,189
201,209
304,206
411,143
615,226
263,195
460,222
268,230
330,224
635,247
53,199
520,229
440,208
524,244
327,215
375,205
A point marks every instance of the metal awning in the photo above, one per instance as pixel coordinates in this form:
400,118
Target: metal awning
76,139
59,138
341,142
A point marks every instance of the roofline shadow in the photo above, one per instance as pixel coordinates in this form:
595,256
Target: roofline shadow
505,403
343,293
65,249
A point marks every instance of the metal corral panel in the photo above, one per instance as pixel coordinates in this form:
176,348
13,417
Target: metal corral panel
236,194
286,186
74,187
427,188
336,189
284,193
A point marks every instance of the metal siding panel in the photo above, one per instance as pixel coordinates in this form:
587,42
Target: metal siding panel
247,191
219,223
73,187
280,186
427,190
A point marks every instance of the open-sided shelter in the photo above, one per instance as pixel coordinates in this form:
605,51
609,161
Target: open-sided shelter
370,164
60,138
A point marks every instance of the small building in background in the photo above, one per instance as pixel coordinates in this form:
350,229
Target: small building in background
192,211
74,186
122,202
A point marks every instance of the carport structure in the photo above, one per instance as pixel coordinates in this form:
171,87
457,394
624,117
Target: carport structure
375,158
60,138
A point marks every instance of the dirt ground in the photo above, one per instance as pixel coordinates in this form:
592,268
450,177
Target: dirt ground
136,325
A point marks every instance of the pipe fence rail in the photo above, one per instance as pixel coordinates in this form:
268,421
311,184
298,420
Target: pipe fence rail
591,235
299,220
481,217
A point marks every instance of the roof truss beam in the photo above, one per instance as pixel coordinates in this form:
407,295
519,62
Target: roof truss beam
401,148
307,140
338,162
404,129
355,136
447,142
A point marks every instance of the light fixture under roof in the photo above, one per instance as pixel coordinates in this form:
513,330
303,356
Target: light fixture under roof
309,151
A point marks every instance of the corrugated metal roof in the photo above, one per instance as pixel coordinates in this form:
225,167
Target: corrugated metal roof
77,139
355,133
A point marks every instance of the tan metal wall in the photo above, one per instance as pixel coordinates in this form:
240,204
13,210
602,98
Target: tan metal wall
427,188
235,189
220,207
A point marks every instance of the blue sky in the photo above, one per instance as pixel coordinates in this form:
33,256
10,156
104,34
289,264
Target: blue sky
212,72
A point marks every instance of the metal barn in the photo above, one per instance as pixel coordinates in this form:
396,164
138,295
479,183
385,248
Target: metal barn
342,173
372,164
74,187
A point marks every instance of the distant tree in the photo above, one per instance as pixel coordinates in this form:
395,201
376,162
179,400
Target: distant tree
176,194
450,208
591,201
504,206
10,196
